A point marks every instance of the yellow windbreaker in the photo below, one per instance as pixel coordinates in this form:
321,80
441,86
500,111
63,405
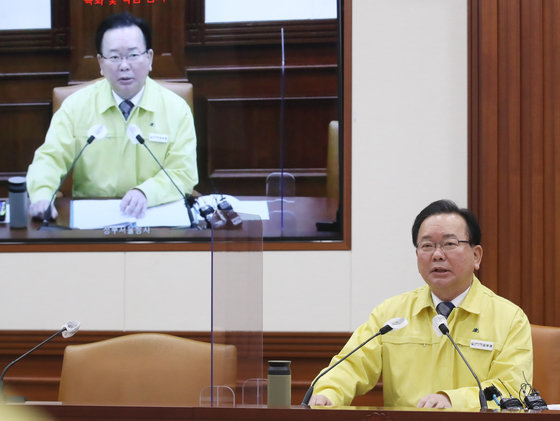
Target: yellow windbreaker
111,166
493,334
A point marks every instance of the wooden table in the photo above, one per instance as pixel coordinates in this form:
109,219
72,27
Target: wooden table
129,413
300,217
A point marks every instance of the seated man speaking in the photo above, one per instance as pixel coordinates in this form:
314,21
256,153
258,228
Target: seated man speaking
420,368
114,166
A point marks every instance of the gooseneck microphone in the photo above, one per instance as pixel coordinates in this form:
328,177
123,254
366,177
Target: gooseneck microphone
393,324
135,136
67,330
439,324
97,131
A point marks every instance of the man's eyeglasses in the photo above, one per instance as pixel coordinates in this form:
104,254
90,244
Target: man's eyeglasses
131,57
449,245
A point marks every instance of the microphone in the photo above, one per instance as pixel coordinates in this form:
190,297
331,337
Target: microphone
67,330
439,324
97,131
393,324
135,137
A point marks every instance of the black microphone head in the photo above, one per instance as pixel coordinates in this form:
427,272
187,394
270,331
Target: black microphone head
47,215
393,324
97,131
491,391
439,324
134,134
191,200
385,329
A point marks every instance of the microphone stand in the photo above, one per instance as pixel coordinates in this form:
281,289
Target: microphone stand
309,393
45,225
2,395
185,197
483,403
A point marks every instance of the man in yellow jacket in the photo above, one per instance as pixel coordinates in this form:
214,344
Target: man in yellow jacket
420,368
113,166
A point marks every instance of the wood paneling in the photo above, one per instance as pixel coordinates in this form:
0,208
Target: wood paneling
200,33
168,41
37,376
514,155
32,41
251,125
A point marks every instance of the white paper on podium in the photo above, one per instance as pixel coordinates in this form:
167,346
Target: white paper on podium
99,214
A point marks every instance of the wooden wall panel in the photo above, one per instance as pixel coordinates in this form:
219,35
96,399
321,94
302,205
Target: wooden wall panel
37,376
223,93
25,113
243,139
167,23
17,119
551,290
514,137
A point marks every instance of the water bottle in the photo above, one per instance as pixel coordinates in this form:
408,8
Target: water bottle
279,383
17,196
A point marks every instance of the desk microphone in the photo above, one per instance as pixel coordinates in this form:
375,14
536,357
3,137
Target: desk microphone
393,324
97,131
439,324
67,330
135,137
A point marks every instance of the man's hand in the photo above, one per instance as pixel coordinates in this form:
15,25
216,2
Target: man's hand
434,400
134,203
319,400
38,209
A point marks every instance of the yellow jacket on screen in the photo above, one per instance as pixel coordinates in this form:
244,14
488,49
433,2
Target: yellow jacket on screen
111,166
493,334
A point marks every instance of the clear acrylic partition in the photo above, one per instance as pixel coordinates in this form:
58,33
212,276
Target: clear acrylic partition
236,307
280,192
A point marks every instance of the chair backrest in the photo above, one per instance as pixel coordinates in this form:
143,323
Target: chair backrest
332,161
183,89
546,362
143,369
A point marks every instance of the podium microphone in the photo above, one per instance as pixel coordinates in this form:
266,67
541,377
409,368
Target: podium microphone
393,324
67,330
439,324
97,131
135,136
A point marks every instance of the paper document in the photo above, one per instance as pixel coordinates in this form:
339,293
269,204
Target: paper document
99,214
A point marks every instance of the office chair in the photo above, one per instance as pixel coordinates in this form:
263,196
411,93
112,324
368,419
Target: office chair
183,89
546,362
144,369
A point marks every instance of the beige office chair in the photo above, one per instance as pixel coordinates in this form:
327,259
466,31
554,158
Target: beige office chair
183,89
332,161
546,362
144,369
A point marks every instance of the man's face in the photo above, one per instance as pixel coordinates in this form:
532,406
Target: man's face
448,273
126,77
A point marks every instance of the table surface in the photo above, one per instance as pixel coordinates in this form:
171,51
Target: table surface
90,412
300,217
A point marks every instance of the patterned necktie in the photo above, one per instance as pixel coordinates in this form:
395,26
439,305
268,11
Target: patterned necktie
445,308
126,107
